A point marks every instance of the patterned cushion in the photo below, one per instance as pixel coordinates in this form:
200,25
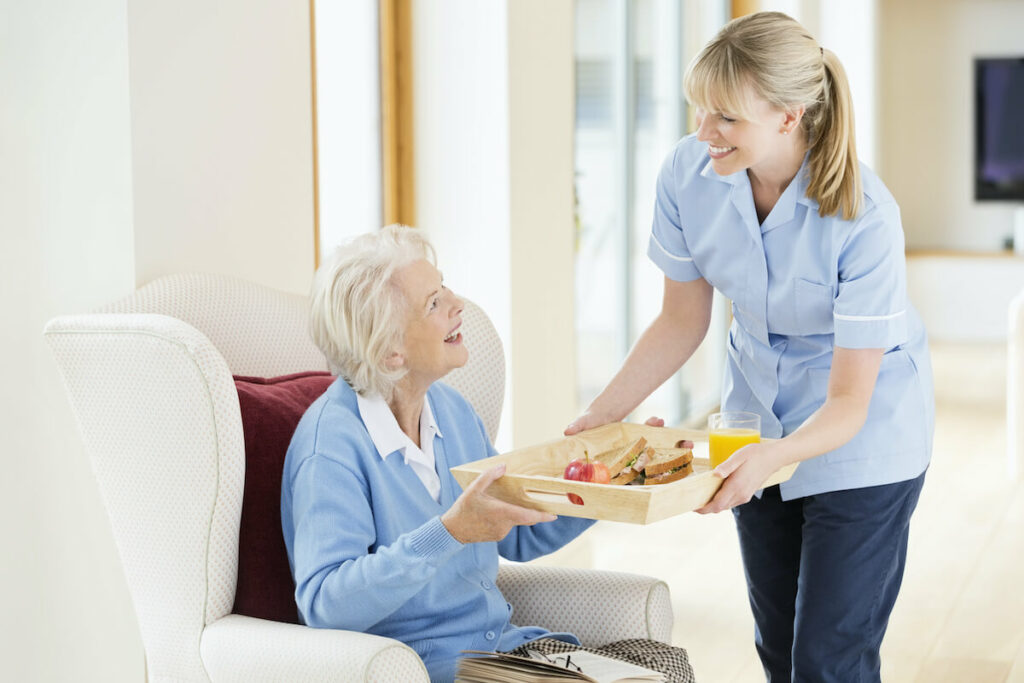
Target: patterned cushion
271,408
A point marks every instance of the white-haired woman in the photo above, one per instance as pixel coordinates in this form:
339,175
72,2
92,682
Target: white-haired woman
768,204
380,537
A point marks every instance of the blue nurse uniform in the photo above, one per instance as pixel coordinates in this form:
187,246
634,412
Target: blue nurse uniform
800,285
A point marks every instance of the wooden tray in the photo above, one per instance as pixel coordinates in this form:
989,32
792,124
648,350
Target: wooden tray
533,476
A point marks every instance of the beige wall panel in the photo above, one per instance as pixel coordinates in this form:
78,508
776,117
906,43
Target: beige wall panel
541,230
222,139
925,122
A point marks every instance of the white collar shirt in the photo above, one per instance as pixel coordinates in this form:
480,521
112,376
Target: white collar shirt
388,438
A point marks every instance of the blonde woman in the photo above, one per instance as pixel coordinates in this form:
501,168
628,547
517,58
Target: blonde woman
768,204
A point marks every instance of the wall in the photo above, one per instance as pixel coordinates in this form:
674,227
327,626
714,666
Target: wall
222,139
66,217
964,298
135,139
494,172
926,121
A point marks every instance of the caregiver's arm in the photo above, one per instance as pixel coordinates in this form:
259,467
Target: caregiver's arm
851,383
662,349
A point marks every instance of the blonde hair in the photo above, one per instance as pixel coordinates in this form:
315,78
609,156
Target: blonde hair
775,55
357,312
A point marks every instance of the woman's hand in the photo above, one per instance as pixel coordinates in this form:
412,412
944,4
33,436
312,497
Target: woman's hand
589,420
477,517
744,473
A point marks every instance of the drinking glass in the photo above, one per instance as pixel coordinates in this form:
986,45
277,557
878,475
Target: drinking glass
730,431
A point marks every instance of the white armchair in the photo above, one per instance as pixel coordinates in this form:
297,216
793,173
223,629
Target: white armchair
150,381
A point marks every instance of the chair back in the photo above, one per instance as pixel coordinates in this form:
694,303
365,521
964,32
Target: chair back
150,381
260,332
278,341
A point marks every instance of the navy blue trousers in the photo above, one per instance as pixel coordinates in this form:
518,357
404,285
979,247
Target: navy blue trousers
823,573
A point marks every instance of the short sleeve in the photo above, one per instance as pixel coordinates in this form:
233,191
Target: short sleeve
667,246
871,303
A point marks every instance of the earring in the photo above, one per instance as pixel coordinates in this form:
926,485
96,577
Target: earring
785,131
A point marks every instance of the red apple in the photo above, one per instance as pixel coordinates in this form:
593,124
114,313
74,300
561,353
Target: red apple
585,470
579,470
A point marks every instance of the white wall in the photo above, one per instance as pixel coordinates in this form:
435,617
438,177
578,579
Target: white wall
222,139
65,216
494,172
964,298
926,125
217,177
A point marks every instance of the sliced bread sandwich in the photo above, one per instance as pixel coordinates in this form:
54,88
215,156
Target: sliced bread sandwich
667,465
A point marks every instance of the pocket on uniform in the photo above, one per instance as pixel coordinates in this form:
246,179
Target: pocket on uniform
814,304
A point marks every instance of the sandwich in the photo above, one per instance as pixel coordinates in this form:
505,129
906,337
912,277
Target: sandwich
622,463
668,464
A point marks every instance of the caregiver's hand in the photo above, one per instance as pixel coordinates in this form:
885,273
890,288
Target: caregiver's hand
744,472
589,420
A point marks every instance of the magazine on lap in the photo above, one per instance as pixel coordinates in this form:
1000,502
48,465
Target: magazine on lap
579,665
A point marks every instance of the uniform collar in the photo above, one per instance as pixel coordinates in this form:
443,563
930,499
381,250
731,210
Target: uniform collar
795,193
384,431
785,208
737,178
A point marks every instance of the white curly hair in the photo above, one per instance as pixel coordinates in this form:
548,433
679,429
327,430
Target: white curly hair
357,310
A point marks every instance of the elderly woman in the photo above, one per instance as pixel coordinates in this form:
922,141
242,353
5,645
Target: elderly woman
380,537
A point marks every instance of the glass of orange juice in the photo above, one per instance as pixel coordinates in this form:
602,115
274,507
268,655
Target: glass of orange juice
730,431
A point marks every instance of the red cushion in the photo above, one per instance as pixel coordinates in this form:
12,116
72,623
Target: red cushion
271,409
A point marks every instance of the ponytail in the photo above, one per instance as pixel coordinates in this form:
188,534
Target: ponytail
834,169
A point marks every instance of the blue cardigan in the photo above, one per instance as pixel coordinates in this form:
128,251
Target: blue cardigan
367,547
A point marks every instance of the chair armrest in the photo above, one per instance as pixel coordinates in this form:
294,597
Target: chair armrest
600,607
238,648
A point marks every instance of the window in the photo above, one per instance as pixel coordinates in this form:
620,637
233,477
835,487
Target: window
348,136
629,113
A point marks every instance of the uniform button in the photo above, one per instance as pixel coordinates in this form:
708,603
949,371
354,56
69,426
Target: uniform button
486,584
489,635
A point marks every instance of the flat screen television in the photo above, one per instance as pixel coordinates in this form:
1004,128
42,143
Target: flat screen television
999,128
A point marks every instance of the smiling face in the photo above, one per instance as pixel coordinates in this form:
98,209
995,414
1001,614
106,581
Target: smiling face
755,141
432,343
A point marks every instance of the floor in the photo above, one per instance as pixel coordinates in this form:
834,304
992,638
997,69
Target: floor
960,615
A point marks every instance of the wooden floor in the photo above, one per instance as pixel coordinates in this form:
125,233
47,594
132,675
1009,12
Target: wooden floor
960,615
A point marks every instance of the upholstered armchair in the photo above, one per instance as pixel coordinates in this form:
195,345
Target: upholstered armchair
153,382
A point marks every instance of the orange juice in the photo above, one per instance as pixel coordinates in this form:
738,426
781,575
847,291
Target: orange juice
725,441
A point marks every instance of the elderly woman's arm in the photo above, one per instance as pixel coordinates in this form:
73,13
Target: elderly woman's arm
525,543
339,582
522,534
